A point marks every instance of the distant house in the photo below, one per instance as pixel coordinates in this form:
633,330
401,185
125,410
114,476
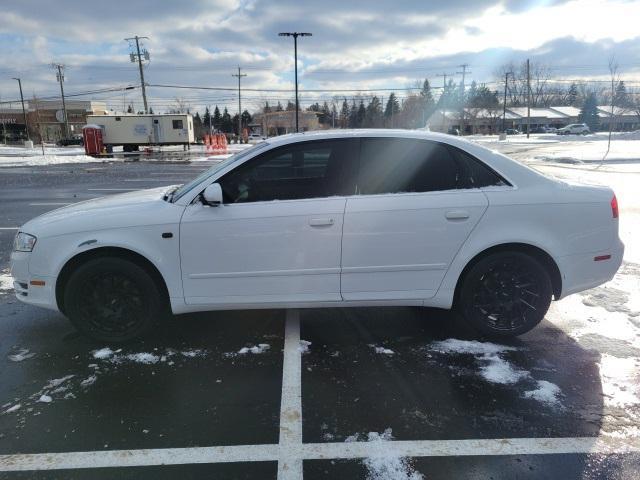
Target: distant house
487,121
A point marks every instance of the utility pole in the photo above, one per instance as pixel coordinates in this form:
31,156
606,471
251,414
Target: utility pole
528,99
137,57
295,36
504,101
60,78
239,75
210,130
463,73
24,111
444,90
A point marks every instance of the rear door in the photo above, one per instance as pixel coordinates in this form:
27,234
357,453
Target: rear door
414,209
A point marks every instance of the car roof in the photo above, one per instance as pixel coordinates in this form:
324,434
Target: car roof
359,133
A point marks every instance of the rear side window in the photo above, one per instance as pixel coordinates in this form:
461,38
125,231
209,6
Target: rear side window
177,124
477,173
396,165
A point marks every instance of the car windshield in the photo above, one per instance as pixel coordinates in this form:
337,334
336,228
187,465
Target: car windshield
182,190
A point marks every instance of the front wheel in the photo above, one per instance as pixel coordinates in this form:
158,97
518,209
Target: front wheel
505,294
113,300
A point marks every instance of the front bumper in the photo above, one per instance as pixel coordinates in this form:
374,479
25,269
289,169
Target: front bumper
25,291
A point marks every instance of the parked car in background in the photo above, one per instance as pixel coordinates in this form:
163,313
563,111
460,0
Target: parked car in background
74,140
544,129
328,219
512,131
574,129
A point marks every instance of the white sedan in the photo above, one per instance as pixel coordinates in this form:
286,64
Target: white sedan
333,219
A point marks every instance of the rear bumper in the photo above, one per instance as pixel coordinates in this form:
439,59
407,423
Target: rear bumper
39,295
581,272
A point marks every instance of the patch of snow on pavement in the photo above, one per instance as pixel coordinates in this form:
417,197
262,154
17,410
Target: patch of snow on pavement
498,370
382,350
142,357
256,350
45,399
56,382
15,408
619,380
87,382
6,281
22,354
46,159
380,464
546,392
103,353
193,353
304,346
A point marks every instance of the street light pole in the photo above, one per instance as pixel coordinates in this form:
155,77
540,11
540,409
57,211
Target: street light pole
504,101
24,112
295,36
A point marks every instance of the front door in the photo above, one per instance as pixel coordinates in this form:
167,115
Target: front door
413,213
277,237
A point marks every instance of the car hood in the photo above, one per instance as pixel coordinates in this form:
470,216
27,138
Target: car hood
142,207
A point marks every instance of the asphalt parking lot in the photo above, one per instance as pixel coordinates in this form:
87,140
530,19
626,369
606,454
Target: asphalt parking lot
387,393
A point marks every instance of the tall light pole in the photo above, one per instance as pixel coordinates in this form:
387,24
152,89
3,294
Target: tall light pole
295,36
60,77
239,75
24,112
138,56
504,101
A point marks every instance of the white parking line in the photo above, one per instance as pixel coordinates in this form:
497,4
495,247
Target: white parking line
50,203
110,189
319,451
290,442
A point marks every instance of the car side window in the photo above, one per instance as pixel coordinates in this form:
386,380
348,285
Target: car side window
477,174
310,169
396,165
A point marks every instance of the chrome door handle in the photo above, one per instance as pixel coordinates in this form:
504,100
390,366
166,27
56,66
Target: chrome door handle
320,222
456,215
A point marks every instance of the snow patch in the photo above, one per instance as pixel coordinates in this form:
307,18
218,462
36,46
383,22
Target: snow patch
256,350
381,465
382,350
23,354
6,281
103,353
45,399
56,382
143,357
546,392
87,382
304,346
193,353
15,408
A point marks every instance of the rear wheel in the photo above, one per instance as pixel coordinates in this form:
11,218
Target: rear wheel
505,294
113,300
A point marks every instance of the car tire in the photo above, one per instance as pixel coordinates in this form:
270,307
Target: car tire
113,300
505,294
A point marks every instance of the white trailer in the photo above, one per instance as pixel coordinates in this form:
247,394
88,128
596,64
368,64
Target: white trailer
131,131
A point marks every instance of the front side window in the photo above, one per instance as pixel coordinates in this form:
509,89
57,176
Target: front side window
397,165
311,169
177,124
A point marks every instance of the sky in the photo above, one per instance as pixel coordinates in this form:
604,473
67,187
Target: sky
358,47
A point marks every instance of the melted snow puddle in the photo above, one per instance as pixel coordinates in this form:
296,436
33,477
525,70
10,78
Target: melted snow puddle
496,369
381,350
381,466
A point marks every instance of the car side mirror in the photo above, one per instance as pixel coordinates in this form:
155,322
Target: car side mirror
212,195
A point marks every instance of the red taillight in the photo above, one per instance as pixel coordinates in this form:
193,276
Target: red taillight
614,207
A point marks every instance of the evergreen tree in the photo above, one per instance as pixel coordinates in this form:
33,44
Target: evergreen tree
291,107
130,109
266,108
206,117
151,110
217,118
482,97
279,107
392,109
353,115
226,124
428,103
589,112
344,114
246,118
360,115
621,97
373,117
572,95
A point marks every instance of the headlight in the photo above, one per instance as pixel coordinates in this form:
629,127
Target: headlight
24,242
